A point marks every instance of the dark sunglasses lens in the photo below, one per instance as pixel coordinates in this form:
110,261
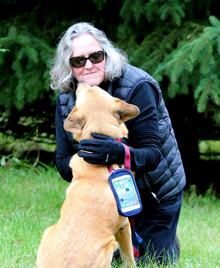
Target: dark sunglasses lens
78,62
96,57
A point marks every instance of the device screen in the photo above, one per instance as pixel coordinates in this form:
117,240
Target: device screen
126,191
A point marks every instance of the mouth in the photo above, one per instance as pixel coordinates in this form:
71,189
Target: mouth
91,73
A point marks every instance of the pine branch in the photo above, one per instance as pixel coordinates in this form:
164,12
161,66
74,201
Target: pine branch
211,32
179,63
208,88
173,88
215,97
12,32
99,3
214,21
151,8
199,46
218,44
207,62
203,101
138,10
184,88
174,9
126,11
32,53
217,117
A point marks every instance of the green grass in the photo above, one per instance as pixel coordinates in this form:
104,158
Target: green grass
30,201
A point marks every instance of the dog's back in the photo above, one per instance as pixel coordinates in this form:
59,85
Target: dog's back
90,227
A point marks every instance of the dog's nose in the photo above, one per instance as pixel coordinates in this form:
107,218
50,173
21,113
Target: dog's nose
82,85
80,82
79,86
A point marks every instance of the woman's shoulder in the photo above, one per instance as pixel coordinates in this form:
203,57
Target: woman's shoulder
135,70
65,98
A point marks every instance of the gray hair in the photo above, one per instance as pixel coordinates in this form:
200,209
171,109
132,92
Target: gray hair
61,71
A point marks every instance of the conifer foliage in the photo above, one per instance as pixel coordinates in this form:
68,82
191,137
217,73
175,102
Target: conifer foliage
175,41
196,62
27,80
178,40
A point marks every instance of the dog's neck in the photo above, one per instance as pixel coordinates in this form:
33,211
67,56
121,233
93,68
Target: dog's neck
100,172
115,133
83,170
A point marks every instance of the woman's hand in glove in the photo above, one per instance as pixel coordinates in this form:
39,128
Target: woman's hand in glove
101,150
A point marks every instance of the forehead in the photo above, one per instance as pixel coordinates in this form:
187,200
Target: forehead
85,45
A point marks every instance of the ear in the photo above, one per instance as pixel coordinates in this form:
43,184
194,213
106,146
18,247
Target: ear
74,122
125,111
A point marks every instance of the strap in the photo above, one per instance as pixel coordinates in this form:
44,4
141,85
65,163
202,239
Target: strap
127,157
138,240
131,220
111,169
136,252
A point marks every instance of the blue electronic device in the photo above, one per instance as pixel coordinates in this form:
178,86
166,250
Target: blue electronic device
126,192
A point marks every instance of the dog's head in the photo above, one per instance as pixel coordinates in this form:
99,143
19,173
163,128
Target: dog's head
96,111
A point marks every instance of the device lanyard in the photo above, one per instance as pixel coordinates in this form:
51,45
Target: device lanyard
138,239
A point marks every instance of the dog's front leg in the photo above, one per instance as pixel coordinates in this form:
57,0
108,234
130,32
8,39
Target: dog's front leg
123,236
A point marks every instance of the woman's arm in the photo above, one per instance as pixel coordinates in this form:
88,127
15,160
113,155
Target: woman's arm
144,139
64,147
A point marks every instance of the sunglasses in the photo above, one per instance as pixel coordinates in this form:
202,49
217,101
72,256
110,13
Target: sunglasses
96,57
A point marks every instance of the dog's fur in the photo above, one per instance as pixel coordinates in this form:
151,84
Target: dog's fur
90,229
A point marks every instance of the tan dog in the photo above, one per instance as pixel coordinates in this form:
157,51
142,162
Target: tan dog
90,229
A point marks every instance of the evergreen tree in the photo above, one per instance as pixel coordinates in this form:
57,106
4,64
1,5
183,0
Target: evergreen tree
195,64
172,40
29,78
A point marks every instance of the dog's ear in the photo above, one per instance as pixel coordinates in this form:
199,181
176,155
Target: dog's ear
74,122
125,111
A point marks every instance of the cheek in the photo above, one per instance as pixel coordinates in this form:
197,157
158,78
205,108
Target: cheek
103,64
76,72
102,69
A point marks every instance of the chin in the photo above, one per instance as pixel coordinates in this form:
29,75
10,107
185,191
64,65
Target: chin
93,83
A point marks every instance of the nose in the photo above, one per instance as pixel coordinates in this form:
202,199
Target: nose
88,64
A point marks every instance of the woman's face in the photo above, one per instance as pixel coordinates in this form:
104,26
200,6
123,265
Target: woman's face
92,73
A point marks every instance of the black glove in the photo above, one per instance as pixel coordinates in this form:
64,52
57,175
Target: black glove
101,150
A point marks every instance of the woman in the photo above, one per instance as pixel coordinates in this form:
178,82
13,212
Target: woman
85,54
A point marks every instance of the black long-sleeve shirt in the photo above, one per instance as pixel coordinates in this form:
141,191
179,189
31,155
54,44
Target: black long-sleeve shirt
143,139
